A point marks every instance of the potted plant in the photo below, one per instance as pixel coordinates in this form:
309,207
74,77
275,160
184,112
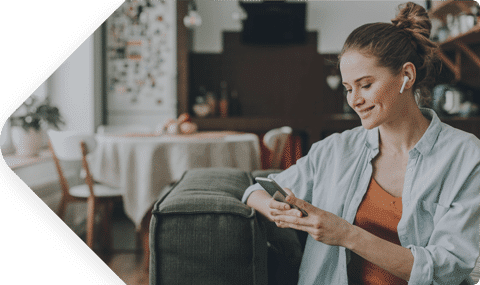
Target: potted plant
29,122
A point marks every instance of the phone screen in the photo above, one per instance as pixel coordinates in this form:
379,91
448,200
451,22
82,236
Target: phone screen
271,186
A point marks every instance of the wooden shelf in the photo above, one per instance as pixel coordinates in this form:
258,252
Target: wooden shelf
459,44
444,8
470,37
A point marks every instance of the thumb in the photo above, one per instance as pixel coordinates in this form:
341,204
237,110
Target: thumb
289,192
299,203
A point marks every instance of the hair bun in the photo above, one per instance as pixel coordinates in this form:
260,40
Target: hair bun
414,19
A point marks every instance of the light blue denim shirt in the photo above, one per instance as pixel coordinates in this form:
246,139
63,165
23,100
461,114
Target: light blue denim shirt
441,197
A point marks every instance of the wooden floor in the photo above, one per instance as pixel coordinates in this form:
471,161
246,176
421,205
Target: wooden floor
129,267
127,259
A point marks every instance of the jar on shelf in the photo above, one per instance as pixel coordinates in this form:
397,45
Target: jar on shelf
201,108
466,22
453,25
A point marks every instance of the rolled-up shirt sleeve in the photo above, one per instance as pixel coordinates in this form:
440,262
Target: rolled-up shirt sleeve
453,248
298,177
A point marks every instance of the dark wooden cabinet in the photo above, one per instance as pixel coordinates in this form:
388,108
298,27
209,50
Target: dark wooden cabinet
278,81
277,85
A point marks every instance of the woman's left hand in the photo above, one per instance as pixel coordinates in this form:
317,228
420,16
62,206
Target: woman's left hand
323,226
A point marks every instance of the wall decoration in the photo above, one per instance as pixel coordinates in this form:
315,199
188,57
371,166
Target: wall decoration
141,57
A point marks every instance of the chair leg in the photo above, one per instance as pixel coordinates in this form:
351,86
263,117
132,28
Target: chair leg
62,208
144,232
139,240
107,227
146,250
91,205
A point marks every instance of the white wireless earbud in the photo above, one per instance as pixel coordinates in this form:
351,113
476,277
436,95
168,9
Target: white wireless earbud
405,79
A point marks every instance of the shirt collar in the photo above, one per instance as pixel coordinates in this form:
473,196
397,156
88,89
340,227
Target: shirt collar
426,142
372,139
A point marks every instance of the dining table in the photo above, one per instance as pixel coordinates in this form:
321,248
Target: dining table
141,166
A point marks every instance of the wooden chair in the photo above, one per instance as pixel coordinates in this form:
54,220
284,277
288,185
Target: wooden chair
275,141
74,147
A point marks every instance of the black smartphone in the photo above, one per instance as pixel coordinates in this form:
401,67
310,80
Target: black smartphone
277,192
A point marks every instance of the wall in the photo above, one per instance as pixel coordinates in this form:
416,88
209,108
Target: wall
333,20
71,89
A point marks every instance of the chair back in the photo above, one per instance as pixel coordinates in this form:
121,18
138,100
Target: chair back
275,141
123,129
71,146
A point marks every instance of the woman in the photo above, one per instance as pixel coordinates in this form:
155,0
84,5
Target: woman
398,199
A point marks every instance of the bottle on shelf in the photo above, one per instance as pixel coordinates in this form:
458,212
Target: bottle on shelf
235,106
224,102
212,102
475,12
202,91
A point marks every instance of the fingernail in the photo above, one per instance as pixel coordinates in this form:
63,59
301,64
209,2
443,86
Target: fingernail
299,214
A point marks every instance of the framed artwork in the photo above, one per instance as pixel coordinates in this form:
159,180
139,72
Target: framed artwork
141,57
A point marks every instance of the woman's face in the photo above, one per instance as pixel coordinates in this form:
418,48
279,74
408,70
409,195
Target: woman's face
372,91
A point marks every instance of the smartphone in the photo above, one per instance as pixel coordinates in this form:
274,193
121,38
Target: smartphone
277,192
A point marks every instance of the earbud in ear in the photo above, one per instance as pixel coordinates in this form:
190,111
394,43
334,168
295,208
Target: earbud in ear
405,79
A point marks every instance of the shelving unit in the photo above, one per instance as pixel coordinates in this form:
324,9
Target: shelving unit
442,8
459,44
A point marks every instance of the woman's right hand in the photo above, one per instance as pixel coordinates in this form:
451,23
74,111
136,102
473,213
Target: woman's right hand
280,208
263,203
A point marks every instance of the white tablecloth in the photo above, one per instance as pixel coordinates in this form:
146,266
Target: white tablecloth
142,166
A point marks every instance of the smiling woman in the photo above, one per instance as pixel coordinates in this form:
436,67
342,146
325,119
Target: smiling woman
397,199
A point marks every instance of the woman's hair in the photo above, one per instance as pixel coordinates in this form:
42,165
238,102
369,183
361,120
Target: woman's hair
406,39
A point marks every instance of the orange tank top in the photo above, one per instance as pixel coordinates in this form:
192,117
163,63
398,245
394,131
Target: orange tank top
379,214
